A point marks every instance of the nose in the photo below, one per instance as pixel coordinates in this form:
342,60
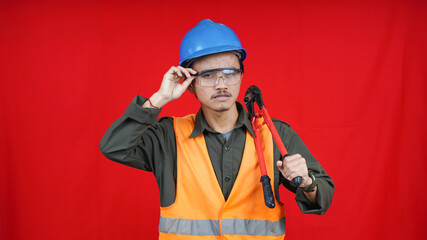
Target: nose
221,83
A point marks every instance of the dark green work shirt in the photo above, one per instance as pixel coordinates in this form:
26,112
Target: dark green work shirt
138,139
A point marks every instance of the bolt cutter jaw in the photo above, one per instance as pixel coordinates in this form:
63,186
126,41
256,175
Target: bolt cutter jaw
252,95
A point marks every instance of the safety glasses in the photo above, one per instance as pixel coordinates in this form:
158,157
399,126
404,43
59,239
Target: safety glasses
210,77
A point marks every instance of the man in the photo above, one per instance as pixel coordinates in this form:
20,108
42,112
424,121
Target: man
206,165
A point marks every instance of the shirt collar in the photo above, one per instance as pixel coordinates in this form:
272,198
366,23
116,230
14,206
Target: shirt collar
201,125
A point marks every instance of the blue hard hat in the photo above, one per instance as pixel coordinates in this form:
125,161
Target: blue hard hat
209,37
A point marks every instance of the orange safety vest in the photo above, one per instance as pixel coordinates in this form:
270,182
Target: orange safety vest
200,210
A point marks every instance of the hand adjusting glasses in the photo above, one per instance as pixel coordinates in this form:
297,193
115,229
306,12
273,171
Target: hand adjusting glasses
210,77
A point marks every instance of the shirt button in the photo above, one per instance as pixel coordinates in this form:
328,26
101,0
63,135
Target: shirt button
227,148
227,179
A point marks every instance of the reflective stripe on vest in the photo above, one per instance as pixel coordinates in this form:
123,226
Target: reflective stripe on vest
189,226
253,227
229,226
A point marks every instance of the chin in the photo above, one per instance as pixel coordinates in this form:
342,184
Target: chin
223,107
222,110
219,107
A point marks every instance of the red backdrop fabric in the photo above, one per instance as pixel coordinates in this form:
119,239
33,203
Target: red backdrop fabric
349,76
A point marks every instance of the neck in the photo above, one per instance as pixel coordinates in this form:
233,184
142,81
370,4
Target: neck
222,121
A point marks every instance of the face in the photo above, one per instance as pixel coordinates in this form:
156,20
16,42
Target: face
221,97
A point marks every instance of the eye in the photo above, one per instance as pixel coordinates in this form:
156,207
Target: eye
229,72
207,75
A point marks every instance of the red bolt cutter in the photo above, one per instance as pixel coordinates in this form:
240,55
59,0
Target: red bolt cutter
253,94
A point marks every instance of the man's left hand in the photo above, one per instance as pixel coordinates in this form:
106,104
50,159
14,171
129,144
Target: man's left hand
293,166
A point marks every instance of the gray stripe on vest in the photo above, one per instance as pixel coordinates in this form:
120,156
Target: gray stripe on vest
189,226
253,227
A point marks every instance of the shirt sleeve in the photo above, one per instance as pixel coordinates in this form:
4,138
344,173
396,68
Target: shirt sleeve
138,139
325,185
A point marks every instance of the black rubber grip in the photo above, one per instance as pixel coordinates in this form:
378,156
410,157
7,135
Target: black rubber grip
268,192
297,181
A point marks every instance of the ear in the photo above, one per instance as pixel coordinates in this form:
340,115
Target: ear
191,87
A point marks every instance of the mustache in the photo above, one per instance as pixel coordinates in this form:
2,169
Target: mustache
221,93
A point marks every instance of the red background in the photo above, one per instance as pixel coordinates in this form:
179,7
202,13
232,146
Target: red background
350,77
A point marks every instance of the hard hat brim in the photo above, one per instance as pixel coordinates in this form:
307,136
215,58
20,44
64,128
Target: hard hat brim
214,50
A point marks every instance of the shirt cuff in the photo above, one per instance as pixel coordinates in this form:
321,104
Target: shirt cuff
136,112
307,207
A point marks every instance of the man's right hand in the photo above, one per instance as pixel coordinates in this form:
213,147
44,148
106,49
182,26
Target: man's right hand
171,88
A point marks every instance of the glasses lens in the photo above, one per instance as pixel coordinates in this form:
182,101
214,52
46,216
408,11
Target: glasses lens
210,78
232,76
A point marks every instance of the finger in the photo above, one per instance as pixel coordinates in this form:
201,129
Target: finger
295,172
287,173
187,82
184,71
192,71
281,168
290,174
294,160
173,74
172,70
291,163
177,72
291,168
301,171
293,157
